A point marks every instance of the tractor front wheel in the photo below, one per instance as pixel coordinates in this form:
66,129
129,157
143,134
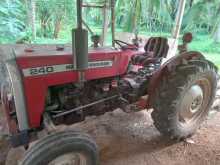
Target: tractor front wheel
63,148
184,98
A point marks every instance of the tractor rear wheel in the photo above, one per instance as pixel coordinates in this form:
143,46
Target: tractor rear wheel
63,148
184,98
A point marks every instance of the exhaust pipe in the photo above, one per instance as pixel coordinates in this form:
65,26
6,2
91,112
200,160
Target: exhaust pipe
80,45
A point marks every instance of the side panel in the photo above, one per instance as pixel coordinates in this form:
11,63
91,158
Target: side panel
35,87
18,93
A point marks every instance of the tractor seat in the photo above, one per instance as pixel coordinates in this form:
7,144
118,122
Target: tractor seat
156,49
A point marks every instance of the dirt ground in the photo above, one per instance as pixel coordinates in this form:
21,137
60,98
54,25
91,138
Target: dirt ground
131,139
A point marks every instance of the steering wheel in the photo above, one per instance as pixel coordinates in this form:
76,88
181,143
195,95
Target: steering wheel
124,45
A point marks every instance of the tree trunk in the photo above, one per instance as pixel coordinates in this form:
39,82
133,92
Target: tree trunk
216,28
58,24
31,17
217,34
105,24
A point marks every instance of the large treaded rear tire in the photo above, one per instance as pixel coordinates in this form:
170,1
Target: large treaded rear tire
171,92
61,143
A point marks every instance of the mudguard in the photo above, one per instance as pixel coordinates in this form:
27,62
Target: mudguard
166,69
12,94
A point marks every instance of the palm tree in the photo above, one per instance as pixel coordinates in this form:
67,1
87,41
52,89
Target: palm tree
216,28
151,14
31,4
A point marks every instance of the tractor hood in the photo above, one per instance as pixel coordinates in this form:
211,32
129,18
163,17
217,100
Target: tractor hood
33,51
29,56
41,66
40,60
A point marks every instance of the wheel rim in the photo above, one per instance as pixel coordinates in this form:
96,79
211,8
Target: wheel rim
194,102
70,159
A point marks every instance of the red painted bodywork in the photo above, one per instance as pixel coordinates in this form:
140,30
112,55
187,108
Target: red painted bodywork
35,87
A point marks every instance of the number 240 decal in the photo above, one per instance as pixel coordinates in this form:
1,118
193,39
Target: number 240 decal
41,70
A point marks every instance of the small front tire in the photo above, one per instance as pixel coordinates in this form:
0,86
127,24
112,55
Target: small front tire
72,148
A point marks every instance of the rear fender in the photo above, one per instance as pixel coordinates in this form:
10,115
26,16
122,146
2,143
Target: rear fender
166,69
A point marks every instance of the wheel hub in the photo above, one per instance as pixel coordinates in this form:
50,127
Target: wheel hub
197,98
192,103
69,159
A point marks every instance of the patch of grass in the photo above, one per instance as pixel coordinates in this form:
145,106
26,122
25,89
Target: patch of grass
204,43
214,57
50,41
201,43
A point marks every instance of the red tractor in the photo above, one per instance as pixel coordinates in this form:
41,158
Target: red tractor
44,86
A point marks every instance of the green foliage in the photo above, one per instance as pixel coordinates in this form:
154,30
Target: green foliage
51,14
56,18
214,57
11,20
204,43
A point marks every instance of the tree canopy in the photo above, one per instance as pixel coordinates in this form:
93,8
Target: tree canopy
52,17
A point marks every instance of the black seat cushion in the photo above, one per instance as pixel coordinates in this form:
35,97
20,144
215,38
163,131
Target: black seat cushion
155,49
158,46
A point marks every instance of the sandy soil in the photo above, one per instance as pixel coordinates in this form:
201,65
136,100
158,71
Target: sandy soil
131,139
